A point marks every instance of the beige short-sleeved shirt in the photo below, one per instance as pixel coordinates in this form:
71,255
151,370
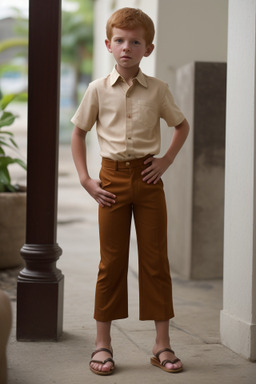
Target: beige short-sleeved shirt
127,117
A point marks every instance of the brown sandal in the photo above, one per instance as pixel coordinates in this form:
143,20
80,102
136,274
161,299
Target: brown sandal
102,373
157,363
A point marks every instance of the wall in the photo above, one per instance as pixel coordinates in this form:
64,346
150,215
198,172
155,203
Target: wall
238,318
197,206
188,31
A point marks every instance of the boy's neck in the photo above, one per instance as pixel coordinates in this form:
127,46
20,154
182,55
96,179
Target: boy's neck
128,73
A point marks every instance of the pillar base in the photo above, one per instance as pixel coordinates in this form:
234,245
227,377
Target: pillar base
244,341
40,310
40,294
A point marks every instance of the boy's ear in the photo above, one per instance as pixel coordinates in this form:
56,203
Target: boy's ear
108,45
149,50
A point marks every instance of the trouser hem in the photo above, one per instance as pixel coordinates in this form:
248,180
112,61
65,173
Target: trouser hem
153,318
107,319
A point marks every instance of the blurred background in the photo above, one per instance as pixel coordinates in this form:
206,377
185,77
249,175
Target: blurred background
76,54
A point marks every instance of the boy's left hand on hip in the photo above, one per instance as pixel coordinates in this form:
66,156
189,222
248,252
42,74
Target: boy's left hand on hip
155,170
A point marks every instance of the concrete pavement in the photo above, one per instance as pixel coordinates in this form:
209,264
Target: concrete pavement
194,330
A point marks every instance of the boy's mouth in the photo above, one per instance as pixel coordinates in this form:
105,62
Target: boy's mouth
125,57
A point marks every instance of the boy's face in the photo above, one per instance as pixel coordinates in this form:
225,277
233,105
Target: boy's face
128,47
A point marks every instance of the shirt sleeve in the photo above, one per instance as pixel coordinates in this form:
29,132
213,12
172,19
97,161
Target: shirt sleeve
87,112
170,112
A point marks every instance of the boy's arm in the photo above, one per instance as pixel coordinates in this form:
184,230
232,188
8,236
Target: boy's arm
93,187
153,173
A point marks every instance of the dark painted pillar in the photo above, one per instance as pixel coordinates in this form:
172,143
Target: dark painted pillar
40,283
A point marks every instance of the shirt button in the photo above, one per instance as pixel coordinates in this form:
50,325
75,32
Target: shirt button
129,116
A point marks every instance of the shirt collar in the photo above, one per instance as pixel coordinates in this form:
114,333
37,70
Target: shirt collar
141,78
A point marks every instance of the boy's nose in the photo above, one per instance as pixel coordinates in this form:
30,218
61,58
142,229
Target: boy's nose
126,47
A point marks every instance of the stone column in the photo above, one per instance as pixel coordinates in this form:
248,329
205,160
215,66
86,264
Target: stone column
195,188
40,283
238,317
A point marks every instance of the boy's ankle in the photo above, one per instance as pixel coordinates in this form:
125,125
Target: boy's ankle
106,343
162,343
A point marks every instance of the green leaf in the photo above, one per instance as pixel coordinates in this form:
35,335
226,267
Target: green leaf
21,163
5,175
7,160
7,187
6,133
7,118
10,43
3,140
2,187
13,143
7,140
10,188
4,143
6,99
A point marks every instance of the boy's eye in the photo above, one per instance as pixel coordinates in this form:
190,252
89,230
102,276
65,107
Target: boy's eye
119,40
136,42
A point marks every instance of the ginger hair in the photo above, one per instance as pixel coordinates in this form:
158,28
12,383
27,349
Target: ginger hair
131,18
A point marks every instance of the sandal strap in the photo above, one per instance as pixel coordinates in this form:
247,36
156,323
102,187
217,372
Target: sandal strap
104,362
169,361
102,350
164,350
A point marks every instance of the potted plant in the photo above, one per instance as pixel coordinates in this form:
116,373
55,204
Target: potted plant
12,197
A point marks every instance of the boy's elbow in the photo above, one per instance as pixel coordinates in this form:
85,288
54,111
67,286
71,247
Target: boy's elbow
187,126
184,126
78,132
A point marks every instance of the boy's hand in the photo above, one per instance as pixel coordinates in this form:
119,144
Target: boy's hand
103,198
158,166
154,172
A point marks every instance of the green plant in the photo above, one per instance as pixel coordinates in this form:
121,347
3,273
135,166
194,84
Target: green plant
77,41
7,141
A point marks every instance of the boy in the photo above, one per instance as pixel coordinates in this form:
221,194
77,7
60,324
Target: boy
127,106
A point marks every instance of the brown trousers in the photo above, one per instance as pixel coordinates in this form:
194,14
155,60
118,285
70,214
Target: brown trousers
147,204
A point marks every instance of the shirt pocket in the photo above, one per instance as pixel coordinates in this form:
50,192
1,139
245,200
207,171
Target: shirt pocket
147,114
